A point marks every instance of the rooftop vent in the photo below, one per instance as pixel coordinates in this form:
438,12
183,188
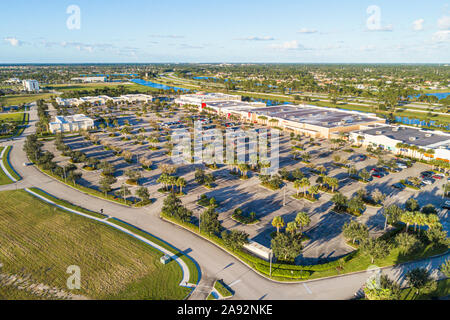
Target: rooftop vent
428,135
412,138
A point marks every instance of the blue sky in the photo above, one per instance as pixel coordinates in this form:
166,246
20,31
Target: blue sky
409,31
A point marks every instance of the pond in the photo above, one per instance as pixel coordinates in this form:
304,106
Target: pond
157,85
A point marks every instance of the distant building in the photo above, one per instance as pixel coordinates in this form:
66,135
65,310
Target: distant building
89,79
101,100
200,99
71,123
31,85
135,98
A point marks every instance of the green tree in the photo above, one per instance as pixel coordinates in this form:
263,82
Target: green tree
375,248
420,279
235,239
209,221
286,247
355,231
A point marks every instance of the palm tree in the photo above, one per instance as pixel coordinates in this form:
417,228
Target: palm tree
181,183
408,218
305,183
333,183
302,220
278,223
313,191
297,186
291,227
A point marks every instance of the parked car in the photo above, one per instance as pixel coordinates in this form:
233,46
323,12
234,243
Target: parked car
428,181
439,176
402,165
399,186
377,175
446,205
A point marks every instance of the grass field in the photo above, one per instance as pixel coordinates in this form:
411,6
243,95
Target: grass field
3,177
93,86
14,100
21,119
40,241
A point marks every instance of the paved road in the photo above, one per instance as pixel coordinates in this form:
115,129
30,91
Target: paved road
215,263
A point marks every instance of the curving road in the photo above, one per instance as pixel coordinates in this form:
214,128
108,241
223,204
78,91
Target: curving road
214,262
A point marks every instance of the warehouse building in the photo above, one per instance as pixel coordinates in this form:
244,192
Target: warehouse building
408,141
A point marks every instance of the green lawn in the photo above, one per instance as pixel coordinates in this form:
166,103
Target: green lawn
39,242
14,100
443,290
21,119
66,203
8,166
4,179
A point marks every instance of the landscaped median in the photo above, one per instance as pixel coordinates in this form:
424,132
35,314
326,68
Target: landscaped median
188,266
353,262
6,168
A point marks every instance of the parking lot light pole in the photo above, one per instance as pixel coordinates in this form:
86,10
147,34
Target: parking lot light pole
270,256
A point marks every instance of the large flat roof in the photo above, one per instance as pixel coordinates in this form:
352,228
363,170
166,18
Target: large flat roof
410,135
319,116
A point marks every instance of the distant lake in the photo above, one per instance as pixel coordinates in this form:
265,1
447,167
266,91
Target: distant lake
441,95
157,85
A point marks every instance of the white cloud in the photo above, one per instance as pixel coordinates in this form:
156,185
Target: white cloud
369,47
288,45
444,23
305,30
387,28
441,36
418,25
266,38
170,36
13,41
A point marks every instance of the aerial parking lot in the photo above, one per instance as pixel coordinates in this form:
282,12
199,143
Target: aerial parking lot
137,146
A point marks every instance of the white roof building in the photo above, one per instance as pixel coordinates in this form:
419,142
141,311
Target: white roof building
71,123
199,99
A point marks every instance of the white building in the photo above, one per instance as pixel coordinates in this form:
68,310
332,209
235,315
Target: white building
200,99
89,79
31,85
101,100
388,138
71,123
135,98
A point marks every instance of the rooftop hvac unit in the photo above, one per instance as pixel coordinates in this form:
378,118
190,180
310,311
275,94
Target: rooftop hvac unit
395,129
412,138
378,132
428,135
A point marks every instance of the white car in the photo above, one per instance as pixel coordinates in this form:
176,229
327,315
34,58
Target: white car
402,165
428,182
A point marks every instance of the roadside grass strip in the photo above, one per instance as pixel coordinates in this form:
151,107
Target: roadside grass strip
184,267
223,291
6,167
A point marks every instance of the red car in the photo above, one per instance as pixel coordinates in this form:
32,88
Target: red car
376,175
